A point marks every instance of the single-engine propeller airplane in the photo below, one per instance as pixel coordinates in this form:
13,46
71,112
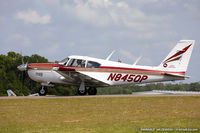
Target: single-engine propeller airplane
89,73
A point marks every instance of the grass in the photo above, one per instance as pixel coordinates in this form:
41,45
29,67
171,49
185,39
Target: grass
98,115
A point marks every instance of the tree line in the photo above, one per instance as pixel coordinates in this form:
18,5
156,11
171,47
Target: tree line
20,83
149,87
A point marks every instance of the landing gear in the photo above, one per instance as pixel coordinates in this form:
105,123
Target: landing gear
43,91
82,92
82,89
92,91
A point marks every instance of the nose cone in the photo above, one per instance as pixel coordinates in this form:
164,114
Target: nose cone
22,67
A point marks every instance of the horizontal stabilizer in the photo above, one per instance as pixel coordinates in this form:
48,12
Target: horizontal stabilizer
177,75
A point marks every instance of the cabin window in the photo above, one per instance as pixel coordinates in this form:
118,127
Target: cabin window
92,64
76,63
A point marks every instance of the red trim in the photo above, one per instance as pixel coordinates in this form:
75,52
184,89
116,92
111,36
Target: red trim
69,68
66,68
139,69
43,65
178,53
61,67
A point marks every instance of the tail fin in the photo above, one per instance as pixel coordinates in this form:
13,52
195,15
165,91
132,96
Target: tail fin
11,93
178,58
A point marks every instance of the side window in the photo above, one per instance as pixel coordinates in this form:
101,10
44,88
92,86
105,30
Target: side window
92,64
76,63
83,63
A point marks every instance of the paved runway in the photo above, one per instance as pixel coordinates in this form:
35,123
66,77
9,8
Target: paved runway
96,96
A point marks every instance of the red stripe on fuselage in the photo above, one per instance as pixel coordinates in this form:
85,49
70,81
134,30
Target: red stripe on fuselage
69,68
139,69
43,65
50,65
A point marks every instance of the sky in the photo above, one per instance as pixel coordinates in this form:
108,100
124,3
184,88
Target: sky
56,29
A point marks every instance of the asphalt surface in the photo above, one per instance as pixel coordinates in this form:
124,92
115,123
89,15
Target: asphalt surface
96,96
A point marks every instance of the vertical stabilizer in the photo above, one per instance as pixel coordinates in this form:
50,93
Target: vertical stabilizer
178,58
11,93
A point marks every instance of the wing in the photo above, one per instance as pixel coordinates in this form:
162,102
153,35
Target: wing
75,76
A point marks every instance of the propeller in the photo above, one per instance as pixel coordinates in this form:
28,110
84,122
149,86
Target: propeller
23,68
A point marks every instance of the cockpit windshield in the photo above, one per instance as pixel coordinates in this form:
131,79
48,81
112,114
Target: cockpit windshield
64,61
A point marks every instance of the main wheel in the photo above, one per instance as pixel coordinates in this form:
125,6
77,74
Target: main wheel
43,91
92,91
82,92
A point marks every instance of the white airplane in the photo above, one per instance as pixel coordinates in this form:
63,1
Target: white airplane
89,73
11,93
166,92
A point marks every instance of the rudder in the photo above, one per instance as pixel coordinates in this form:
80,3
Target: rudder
178,58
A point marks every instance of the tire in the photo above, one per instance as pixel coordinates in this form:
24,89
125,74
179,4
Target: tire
92,91
43,91
81,92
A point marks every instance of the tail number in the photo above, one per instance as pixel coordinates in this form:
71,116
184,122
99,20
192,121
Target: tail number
127,77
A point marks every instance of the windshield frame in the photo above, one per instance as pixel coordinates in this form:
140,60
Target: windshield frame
64,61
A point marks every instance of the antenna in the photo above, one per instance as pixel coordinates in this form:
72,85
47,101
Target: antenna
137,60
108,58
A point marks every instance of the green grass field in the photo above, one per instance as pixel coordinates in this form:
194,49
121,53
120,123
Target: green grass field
98,115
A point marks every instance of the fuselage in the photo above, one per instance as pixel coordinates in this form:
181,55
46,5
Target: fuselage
108,72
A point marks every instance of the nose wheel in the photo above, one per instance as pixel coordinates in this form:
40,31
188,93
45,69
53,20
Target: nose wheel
43,91
82,92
